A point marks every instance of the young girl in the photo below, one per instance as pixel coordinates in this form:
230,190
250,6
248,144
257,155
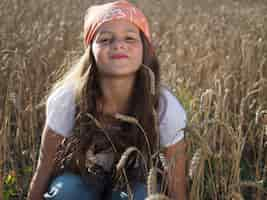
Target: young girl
110,101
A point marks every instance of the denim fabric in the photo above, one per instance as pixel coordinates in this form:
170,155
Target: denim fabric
69,186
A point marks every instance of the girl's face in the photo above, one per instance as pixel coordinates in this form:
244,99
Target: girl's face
117,48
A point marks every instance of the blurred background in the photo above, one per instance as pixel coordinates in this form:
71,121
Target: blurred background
213,56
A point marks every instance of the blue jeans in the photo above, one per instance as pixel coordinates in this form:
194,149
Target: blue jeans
69,186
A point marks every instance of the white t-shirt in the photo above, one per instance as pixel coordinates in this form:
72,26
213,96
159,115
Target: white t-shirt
60,113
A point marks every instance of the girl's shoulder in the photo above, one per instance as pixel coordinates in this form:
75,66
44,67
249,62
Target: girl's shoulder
169,103
172,117
64,92
60,109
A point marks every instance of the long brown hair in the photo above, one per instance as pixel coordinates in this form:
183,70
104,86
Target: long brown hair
143,105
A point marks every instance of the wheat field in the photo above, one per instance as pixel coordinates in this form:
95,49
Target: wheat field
213,55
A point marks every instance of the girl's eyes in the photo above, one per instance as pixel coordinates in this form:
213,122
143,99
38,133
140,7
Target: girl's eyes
130,39
105,40
109,40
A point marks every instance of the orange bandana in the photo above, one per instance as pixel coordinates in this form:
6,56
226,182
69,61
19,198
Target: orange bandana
99,14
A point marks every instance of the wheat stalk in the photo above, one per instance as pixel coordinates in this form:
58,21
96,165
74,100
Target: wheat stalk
133,120
152,181
98,124
157,197
235,196
125,156
164,161
194,163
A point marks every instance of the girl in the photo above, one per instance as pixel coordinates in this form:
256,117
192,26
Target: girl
110,101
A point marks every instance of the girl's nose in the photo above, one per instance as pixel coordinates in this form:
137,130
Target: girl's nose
118,44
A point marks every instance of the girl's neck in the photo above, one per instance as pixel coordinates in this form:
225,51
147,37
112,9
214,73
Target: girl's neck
117,94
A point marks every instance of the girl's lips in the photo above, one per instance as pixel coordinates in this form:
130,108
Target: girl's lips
119,56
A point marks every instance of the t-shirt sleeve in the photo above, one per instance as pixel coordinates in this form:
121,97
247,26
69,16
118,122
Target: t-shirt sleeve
172,119
60,110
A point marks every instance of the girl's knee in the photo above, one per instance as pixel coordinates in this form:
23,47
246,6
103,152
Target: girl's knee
139,191
68,187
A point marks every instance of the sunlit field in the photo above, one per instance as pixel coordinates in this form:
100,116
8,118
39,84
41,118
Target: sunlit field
213,56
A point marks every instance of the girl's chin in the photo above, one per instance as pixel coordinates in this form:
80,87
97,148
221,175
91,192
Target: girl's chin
118,74
119,71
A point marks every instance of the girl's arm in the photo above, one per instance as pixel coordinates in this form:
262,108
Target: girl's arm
45,165
176,156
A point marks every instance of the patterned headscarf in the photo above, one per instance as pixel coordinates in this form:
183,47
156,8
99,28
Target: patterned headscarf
122,9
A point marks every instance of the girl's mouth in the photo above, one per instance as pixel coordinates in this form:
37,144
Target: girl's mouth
119,56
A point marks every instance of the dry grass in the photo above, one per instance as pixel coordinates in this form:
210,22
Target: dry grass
213,56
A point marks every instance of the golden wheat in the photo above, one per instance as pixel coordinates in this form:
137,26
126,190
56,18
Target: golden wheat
157,197
213,57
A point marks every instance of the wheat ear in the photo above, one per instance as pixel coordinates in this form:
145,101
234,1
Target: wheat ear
157,197
133,120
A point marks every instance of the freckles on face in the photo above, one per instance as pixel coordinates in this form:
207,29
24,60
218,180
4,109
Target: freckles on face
117,48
